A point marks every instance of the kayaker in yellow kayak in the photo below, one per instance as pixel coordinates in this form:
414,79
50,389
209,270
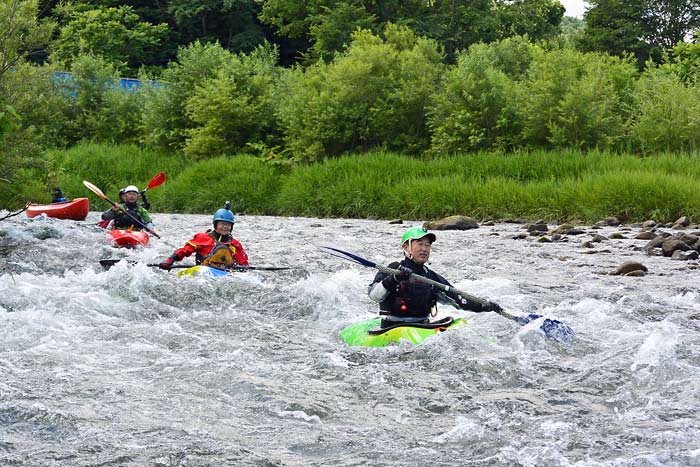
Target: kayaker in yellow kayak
215,248
123,215
402,300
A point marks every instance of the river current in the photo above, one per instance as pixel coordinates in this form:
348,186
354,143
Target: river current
135,366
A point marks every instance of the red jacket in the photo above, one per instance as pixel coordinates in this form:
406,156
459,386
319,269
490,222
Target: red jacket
203,243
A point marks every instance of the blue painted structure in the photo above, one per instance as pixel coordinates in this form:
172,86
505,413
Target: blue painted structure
128,84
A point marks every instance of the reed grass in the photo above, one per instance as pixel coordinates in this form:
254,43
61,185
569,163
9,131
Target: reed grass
561,186
110,167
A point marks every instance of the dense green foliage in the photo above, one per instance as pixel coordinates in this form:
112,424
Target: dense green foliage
455,25
373,95
114,33
644,28
557,185
424,79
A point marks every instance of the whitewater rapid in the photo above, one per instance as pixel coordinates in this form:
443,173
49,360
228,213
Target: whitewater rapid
137,366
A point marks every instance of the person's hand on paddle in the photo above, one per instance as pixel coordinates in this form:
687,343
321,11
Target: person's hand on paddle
393,280
167,264
151,230
491,306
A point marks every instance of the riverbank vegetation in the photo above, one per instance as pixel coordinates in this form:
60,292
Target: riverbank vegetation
226,106
565,185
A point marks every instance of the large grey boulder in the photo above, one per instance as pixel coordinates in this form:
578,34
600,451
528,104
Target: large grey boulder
453,223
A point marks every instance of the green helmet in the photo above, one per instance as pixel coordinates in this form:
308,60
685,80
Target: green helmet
415,233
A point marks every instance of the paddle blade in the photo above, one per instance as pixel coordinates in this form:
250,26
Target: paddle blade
94,189
550,327
346,255
108,263
157,180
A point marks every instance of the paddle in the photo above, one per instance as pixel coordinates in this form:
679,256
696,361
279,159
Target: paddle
157,180
99,193
550,327
108,263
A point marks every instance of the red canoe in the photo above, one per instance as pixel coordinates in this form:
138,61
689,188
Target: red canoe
76,209
128,238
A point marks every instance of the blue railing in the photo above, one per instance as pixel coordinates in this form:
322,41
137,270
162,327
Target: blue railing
128,84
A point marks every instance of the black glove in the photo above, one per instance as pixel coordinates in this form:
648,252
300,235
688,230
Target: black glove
393,280
491,306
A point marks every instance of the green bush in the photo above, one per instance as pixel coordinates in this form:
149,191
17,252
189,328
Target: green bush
572,99
236,107
165,122
473,108
665,114
374,94
31,91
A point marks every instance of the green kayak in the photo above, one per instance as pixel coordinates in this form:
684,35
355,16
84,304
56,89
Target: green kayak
368,334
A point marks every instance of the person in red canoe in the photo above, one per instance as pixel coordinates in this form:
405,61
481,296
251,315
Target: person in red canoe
123,215
57,195
215,248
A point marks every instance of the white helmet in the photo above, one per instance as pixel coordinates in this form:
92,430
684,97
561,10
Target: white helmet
131,188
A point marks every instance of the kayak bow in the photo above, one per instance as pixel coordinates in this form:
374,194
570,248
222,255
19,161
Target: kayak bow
368,334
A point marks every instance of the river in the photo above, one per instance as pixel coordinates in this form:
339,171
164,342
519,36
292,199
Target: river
137,366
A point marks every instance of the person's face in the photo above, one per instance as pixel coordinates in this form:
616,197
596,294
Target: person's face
223,227
419,250
131,196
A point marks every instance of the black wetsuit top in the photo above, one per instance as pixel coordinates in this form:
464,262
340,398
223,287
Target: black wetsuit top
413,300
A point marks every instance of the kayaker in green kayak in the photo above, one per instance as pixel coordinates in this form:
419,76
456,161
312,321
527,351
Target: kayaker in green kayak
402,300
129,197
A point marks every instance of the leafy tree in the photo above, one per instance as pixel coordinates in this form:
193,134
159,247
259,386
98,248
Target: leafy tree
668,22
331,33
373,94
115,33
454,24
235,107
35,94
684,61
665,114
232,23
473,108
538,19
22,34
572,99
165,121
615,27
643,28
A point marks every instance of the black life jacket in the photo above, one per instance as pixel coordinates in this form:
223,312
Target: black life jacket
124,221
411,299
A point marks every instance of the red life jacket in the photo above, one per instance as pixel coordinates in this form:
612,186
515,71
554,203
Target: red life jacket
204,243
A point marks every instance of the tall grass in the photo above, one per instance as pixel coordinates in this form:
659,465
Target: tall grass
109,168
203,187
563,185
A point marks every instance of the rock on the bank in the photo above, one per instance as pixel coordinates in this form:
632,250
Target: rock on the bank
452,223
